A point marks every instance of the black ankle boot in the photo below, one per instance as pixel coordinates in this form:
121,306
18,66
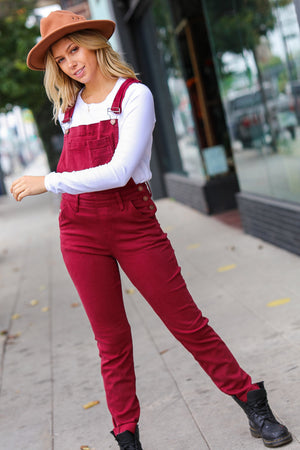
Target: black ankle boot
261,419
128,440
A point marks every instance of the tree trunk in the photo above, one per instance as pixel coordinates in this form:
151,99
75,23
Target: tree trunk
265,106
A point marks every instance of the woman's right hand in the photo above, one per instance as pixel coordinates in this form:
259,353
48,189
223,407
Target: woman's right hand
27,185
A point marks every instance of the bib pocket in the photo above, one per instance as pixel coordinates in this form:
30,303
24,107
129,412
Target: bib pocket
101,151
85,153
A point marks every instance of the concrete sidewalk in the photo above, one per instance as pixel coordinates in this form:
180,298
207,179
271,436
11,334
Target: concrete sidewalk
49,361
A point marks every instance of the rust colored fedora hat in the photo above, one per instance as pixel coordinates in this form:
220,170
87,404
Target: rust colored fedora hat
57,25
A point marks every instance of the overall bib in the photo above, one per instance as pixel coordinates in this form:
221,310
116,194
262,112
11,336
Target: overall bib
103,230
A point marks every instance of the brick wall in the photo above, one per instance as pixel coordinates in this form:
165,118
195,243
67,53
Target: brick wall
210,197
186,190
272,220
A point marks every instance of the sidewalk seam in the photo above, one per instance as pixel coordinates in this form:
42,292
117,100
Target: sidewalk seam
13,310
50,300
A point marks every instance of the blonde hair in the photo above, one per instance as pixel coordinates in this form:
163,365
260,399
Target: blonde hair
62,90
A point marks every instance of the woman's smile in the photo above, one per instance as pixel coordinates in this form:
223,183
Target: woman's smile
79,73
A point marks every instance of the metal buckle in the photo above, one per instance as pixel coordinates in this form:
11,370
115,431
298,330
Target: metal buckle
113,111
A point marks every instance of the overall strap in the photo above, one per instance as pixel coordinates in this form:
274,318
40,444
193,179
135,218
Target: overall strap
116,107
68,114
117,103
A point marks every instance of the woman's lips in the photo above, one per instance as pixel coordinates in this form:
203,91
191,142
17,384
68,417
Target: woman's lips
79,73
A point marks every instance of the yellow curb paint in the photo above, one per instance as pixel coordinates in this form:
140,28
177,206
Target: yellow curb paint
193,246
280,301
225,268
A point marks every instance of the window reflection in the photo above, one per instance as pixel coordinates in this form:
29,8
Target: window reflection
182,109
257,55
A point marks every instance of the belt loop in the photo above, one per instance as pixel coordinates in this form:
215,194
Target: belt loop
120,201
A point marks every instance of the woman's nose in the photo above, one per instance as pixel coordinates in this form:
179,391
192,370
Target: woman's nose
72,63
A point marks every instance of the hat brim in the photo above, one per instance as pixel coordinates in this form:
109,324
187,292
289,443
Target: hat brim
36,56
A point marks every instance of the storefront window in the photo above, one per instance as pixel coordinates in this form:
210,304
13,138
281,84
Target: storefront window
182,111
256,46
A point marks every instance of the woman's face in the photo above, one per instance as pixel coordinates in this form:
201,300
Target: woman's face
79,63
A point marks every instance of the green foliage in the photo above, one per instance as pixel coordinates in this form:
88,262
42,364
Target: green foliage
19,85
272,62
239,24
282,81
166,37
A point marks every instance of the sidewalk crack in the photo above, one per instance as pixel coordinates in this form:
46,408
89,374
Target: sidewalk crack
13,311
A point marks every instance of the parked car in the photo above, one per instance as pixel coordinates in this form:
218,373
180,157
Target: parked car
249,121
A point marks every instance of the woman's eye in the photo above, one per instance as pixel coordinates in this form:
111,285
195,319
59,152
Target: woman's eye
73,50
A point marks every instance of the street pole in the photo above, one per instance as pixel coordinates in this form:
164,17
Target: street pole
297,6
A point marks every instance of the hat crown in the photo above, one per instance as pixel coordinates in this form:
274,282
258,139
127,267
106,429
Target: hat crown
58,19
58,25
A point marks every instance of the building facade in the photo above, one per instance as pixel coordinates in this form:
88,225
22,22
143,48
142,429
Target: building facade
226,83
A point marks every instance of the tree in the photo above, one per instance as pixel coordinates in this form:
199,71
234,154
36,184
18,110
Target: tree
20,85
240,27
165,33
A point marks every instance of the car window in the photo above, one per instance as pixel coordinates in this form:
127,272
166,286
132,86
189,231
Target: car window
249,100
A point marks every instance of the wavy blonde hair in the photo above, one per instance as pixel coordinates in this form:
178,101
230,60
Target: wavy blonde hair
62,90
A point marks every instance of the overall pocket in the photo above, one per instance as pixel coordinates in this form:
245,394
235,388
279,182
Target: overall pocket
101,151
82,153
66,213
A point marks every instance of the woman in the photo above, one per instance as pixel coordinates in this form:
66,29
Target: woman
108,219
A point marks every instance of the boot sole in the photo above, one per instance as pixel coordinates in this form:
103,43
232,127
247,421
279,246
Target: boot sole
272,444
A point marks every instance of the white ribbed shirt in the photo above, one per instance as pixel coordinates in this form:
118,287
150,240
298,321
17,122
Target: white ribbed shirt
133,152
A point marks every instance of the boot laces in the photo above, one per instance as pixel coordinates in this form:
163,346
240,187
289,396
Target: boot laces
263,409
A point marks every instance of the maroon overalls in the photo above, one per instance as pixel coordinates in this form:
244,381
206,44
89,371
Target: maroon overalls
103,230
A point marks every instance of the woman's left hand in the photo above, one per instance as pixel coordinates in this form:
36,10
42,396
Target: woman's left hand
27,185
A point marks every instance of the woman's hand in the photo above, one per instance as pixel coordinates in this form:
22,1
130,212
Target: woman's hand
27,185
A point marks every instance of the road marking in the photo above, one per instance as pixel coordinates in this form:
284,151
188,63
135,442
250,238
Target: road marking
15,316
225,268
280,301
193,246
34,302
91,404
130,291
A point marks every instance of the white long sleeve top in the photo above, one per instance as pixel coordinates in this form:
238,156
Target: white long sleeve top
132,154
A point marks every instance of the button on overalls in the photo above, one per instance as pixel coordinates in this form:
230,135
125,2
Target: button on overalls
103,230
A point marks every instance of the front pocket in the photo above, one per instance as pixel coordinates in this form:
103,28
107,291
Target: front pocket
66,214
143,208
